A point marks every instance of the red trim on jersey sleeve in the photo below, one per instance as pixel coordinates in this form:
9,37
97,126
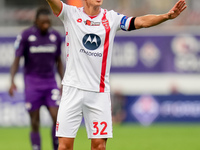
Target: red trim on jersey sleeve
129,24
132,24
60,10
105,52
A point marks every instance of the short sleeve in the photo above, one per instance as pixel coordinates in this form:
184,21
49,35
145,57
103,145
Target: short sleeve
122,21
66,11
20,45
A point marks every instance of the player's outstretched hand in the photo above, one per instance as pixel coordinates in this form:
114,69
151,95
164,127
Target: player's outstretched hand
177,9
12,89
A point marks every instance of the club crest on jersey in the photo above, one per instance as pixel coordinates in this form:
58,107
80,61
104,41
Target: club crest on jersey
32,38
91,41
52,38
91,23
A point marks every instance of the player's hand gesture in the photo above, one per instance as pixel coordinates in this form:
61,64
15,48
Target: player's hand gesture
177,9
12,89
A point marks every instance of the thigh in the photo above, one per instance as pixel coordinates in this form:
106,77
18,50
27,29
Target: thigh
52,100
97,115
69,113
52,97
33,100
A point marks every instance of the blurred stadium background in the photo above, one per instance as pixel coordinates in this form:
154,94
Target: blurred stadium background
154,74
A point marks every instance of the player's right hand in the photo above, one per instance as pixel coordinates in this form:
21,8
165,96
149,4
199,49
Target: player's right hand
12,89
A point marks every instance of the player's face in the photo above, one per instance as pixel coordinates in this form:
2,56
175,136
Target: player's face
43,22
94,2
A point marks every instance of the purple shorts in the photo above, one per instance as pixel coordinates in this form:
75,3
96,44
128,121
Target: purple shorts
35,98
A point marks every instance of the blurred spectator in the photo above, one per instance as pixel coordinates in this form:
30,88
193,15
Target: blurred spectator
118,107
174,89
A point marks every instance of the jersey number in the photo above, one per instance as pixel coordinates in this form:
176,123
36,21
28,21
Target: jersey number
104,124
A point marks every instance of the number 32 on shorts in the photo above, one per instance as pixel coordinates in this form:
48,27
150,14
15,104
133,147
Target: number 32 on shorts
98,125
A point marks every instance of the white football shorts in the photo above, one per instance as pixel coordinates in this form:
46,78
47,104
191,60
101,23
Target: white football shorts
93,106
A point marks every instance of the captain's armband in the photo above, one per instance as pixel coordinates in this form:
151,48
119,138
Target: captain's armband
127,23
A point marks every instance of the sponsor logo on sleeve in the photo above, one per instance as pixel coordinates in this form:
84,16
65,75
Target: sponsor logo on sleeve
17,42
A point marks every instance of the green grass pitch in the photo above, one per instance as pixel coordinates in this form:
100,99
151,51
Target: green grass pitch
126,137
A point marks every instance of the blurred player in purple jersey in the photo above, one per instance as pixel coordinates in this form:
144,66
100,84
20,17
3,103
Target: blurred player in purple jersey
40,45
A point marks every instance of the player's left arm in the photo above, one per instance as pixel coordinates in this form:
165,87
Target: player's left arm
152,20
13,70
60,67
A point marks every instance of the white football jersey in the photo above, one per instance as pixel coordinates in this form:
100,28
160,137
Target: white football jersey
89,43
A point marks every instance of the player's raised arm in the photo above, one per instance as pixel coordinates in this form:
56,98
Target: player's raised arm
56,6
152,20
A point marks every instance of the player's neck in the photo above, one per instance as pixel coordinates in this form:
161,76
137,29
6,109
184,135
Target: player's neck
92,11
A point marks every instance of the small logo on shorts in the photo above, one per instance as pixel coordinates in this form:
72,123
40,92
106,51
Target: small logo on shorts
57,125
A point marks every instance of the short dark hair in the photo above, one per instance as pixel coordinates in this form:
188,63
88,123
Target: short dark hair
43,10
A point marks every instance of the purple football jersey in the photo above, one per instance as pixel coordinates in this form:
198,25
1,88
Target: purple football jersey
40,52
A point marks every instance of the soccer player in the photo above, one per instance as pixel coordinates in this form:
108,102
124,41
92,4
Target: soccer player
90,33
40,45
